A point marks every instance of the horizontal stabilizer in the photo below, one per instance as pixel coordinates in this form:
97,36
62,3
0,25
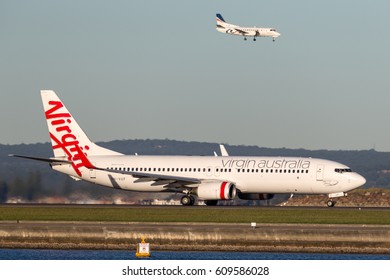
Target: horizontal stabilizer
50,160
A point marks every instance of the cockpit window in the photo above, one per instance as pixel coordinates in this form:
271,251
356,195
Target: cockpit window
273,29
342,170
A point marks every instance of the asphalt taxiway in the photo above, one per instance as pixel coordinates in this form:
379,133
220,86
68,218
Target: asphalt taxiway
197,236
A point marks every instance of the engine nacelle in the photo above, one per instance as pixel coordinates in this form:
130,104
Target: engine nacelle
255,196
216,191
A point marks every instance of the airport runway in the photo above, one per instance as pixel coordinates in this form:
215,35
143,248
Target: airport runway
222,207
197,236
196,226
273,232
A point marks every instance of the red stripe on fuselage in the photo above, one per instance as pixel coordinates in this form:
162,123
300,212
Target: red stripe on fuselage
222,193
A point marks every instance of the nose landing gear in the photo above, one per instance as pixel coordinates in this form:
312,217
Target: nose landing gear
332,203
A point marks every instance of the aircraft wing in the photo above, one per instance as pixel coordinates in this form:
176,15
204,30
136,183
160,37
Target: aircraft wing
241,31
170,182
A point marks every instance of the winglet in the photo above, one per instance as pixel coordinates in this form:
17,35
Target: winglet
224,152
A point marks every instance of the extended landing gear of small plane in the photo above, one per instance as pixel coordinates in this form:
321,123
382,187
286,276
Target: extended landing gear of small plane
244,38
254,38
187,200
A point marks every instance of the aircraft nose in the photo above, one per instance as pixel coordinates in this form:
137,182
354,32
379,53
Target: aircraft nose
357,180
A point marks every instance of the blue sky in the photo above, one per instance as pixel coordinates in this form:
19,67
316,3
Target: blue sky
159,69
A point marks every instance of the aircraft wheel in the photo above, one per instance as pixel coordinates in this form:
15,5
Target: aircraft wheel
330,203
187,200
244,39
254,39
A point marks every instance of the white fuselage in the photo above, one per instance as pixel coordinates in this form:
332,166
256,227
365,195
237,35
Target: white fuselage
249,31
207,178
249,174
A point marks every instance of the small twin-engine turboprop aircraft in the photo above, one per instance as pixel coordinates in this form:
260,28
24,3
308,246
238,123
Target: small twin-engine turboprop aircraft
224,27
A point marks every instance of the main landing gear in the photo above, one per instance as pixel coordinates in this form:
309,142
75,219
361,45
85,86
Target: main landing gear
331,203
187,200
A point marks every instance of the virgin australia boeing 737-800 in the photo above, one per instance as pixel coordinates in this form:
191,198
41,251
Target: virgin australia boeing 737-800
208,178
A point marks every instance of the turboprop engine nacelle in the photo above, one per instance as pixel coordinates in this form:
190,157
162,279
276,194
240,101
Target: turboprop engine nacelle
216,191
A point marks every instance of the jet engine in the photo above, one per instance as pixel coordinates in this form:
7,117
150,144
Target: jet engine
255,196
216,191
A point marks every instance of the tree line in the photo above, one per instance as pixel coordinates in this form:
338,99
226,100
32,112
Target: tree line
30,180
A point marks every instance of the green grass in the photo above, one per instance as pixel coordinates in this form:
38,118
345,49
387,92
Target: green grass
196,214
